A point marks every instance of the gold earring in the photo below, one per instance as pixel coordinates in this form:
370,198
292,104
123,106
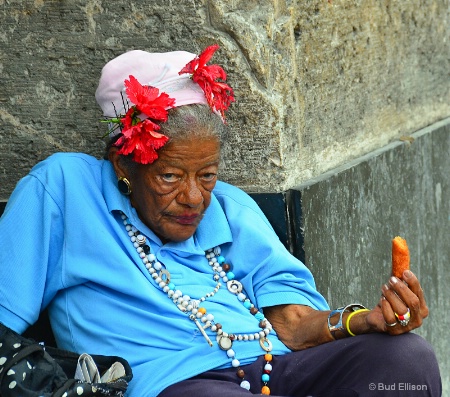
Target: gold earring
124,186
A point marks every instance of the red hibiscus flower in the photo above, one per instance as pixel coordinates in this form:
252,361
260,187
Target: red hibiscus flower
219,95
139,136
142,141
148,100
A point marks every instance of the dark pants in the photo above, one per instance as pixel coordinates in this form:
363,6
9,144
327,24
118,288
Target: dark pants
366,365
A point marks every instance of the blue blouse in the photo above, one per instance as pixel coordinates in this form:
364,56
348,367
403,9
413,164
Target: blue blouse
63,245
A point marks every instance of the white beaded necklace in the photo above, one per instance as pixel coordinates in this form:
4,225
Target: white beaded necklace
191,307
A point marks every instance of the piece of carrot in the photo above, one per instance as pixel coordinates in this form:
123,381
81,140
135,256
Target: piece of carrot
400,256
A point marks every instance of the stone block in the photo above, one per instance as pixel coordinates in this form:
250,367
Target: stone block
317,83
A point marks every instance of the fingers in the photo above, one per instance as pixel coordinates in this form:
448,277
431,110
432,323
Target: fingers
391,305
398,295
403,299
382,319
415,287
412,295
388,314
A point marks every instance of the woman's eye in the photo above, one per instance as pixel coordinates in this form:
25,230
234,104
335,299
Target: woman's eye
169,177
210,176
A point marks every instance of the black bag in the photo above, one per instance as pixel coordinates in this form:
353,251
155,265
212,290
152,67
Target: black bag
28,369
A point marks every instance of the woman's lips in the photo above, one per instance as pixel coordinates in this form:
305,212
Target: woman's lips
187,219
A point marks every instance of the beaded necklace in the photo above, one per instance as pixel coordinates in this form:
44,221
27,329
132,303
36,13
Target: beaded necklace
198,314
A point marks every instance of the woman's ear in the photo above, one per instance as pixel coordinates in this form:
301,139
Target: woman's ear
117,162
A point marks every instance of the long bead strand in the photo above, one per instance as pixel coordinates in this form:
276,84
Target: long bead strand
203,320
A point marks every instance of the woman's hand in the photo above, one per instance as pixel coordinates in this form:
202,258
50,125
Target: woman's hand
397,297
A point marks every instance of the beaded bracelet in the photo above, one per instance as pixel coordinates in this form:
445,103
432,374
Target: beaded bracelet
347,323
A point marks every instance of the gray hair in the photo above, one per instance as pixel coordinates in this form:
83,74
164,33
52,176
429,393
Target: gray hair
193,121
185,122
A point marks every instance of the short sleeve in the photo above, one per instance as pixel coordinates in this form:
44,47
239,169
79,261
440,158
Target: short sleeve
270,273
31,241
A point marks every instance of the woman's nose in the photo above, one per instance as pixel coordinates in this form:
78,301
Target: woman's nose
190,194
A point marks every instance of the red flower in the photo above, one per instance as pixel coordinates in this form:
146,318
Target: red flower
219,95
147,99
142,141
139,137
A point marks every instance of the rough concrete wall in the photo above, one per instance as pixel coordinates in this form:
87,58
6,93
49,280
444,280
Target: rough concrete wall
351,214
317,82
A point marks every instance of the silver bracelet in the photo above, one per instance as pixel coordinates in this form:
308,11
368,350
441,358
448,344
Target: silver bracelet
339,326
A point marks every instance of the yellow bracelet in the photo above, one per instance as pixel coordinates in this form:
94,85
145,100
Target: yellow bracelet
347,323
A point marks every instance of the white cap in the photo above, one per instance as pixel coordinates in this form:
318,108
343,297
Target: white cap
158,70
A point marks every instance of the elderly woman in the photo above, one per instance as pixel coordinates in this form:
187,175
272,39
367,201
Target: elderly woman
146,255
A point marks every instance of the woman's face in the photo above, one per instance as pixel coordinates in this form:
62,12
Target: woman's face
172,194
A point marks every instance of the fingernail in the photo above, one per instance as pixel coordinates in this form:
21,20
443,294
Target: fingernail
394,280
407,274
385,287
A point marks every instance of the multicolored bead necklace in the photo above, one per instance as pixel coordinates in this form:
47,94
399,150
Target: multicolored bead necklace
198,314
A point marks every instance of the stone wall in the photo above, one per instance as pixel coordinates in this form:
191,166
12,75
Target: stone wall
351,214
318,83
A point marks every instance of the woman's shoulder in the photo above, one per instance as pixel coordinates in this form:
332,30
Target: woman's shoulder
66,160
235,201
66,164
226,191
62,171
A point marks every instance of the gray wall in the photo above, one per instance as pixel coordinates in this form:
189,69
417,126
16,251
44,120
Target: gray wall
351,214
318,82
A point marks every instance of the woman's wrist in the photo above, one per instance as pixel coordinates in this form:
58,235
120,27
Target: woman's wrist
355,322
337,319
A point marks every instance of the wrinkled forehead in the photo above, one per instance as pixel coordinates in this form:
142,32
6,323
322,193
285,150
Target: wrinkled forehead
185,152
